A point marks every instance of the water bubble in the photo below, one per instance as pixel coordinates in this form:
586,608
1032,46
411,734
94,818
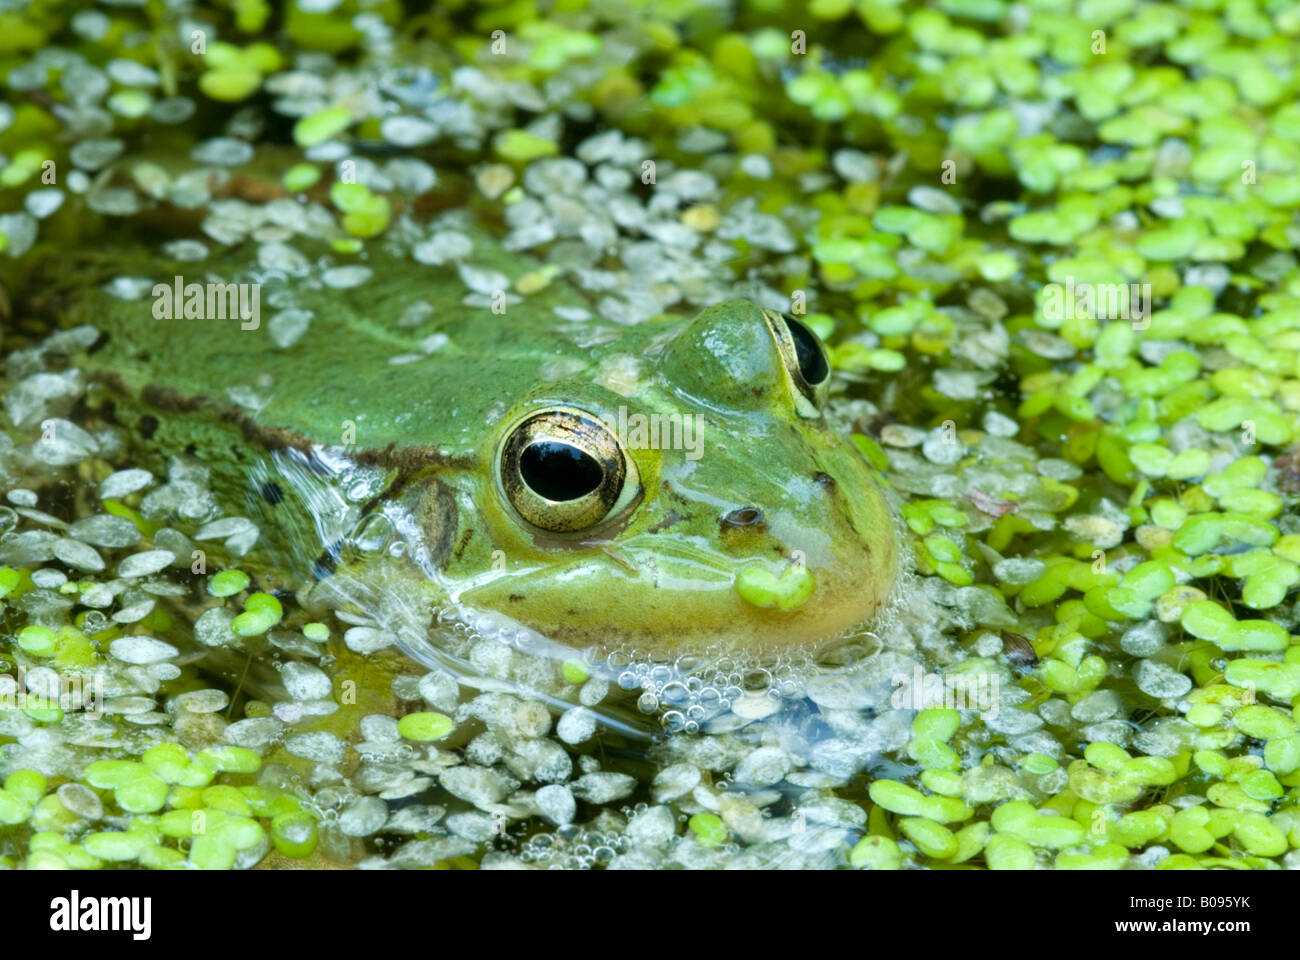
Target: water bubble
675,692
647,703
358,491
373,533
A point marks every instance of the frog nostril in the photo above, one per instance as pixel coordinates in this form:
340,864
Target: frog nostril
744,517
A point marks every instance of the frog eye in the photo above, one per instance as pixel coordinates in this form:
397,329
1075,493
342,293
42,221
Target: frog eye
564,471
804,358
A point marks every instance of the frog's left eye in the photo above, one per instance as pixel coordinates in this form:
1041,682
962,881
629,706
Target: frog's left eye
804,358
564,471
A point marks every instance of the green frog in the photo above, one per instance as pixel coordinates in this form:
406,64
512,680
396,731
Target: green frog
659,488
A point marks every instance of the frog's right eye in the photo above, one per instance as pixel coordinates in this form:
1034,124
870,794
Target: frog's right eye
805,361
565,472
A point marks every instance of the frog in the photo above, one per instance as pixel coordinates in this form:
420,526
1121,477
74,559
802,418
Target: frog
661,488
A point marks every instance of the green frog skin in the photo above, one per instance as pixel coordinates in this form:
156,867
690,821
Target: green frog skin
759,528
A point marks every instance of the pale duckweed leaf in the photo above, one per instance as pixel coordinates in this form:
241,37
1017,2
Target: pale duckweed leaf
223,151
63,443
106,530
78,555
28,547
556,803
95,154
201,701
305,682
141,650
345,278
224,528
288,326
41,517
30,401
483,280
1158,680
135,612
368,640
123,482
145,563
43,203
407,131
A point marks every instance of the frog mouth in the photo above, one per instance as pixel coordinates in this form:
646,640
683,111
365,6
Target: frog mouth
666,595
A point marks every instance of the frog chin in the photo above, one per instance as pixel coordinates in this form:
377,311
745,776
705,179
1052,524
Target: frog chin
668,609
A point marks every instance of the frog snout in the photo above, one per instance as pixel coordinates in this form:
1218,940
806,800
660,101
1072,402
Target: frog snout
783,586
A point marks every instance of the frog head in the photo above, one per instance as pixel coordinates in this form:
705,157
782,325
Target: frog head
706,503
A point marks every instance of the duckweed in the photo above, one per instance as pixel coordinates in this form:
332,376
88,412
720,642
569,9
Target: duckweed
425,726
135,789
876,853
1020,820
709,829
762,588
227,583
933,839
317,632
295,834
262,611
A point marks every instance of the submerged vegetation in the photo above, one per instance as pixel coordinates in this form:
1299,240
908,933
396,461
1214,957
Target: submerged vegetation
1051,245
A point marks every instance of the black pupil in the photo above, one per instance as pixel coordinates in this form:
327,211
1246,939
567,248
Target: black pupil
812,362
558,471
